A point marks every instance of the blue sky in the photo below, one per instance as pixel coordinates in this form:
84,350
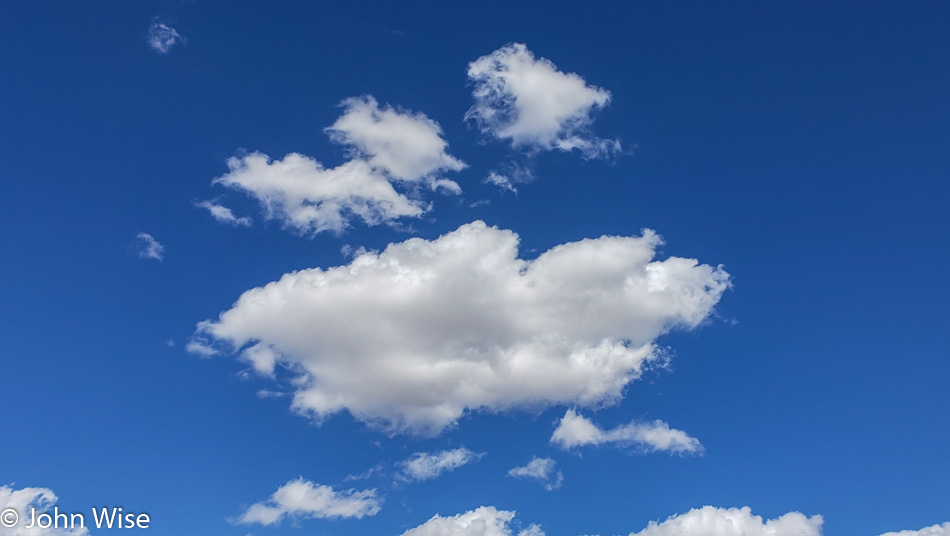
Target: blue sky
471,321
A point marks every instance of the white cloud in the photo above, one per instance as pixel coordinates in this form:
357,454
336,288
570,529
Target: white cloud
409,339
304,196
425,466
501,181
162,37
21,500
528,101
199,346
510,174
148,247
934,530
482,521
542,469
407,146
711,521
304,499
223,214
388,147
575,430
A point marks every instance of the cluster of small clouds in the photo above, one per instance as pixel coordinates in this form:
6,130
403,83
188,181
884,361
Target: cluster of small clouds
540,469
409,339
396,155
302,499
705,521
575,430
162,37
388,147
21,501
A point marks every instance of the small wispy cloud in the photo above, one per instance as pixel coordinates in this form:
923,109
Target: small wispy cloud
223,214
304,499
542,470
575,430
148,247
200,347
501,181
162,37
426,466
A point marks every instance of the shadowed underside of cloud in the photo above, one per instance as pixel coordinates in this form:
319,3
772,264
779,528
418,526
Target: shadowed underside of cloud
388,148
304,499
409,339
529,102
574,430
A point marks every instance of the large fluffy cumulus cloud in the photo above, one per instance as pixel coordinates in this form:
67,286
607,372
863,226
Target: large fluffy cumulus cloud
711,521
389,148
410,339
529,102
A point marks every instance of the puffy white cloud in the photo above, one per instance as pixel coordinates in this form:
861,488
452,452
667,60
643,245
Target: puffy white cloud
162,37
534,105
148,247
21,500
542,469
425,466
387,146
223,214
575,430
933,530
711,521
482,521
409,339
304,196
407,146
304,499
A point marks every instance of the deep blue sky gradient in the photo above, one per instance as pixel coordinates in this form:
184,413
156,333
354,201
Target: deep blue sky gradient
803,145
